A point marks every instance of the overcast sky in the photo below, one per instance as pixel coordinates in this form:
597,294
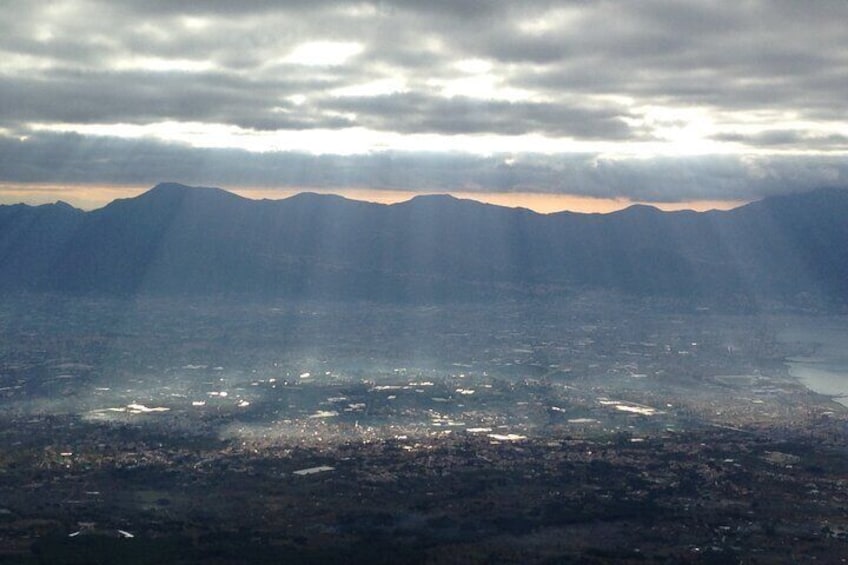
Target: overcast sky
648,101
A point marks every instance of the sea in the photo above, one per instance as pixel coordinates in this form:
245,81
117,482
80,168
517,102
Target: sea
823,365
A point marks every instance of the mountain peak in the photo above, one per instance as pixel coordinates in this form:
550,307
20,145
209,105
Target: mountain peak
176,191
62,205
434,198
315,197
175,188
640,209
169,186
439,200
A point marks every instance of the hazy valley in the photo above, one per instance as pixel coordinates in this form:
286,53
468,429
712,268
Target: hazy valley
192,376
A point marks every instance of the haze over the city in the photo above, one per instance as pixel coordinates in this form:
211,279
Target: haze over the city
683,104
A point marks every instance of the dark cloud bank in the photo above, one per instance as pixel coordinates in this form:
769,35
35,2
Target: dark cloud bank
72,158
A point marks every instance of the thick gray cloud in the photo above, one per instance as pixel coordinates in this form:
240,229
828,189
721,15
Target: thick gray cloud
416,113
764,80
787,137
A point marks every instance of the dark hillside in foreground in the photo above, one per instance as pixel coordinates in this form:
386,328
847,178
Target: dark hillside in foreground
179,239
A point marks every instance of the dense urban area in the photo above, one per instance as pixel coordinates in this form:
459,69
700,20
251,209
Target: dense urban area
591,428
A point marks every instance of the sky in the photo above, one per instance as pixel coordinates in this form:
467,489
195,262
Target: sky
672,103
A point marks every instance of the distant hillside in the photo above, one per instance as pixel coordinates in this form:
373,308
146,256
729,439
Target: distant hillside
179,239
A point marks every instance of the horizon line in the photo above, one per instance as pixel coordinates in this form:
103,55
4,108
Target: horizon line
93,196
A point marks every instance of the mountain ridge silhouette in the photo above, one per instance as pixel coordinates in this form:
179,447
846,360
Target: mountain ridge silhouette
184,240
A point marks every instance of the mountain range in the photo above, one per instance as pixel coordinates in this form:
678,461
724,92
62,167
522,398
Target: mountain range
175,239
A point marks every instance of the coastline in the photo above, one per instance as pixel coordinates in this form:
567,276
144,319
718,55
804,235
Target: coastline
824,367
833,384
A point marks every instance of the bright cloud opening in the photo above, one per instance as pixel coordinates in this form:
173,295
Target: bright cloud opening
323,53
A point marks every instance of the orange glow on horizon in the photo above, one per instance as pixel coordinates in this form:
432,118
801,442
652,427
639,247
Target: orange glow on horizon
543,203
90,197
87,197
